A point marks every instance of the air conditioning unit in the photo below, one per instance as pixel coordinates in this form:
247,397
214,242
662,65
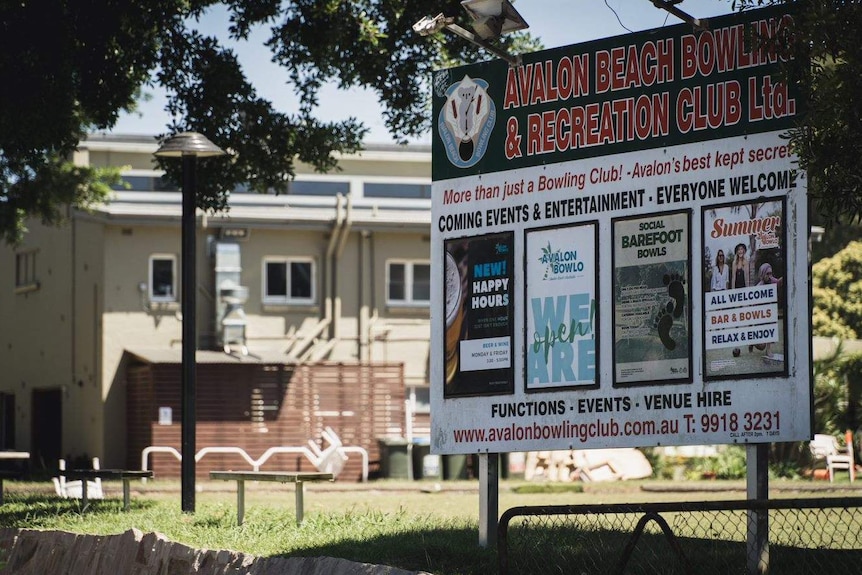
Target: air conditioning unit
230,297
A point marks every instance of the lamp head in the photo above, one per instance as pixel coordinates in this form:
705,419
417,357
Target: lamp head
493,18
188,144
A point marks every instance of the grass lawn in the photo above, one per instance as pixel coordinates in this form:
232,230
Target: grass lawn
411,525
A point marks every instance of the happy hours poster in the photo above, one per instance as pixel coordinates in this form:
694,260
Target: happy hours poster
478,290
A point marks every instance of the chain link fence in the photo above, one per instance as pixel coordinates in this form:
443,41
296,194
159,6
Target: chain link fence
787,537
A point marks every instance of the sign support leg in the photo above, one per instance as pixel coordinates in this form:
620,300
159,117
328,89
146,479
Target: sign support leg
489,498
757,487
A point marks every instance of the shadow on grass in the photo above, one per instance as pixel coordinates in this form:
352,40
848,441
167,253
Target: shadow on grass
34,511
442,551
602,551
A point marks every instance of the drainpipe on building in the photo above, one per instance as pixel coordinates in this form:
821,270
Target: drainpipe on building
339,238
372,321
335,327
303,348
328,266
366,276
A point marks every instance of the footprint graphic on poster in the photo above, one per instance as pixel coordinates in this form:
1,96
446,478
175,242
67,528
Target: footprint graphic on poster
663,321
676,289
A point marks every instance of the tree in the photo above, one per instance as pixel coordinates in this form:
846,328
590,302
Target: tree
71,66
826,67
837,292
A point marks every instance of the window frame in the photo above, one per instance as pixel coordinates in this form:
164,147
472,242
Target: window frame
386,190
26,279
150,280
409,283
286,299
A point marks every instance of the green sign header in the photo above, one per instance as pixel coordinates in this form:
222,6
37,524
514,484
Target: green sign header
650,89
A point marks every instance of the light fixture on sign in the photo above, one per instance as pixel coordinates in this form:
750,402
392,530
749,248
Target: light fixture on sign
491,19
670,6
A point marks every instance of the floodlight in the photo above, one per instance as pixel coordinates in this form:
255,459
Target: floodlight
491,18
670,6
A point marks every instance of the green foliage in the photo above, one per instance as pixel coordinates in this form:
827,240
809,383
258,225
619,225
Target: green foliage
826,67
70,66
66,67
837,291
837,408
728,464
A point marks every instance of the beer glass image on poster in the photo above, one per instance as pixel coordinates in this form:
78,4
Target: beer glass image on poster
560,308
744,265
652,311
478,289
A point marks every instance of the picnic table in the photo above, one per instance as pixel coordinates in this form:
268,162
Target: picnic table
11,454
107,474
299,478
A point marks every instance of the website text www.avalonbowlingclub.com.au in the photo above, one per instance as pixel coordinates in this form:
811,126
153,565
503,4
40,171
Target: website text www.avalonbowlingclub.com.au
745,424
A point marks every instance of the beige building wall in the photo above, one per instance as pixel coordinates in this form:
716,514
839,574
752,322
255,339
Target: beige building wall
89,309
83,411
37,326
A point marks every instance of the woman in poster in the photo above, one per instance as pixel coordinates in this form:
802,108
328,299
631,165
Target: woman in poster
766,277
719,273
740,267
740,276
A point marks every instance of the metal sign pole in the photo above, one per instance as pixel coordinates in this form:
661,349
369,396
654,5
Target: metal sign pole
489,498
757,487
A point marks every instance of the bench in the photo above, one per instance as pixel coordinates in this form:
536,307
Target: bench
107,474
299,478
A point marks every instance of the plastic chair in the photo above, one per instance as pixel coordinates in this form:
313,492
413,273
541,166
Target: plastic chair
826,447
74,489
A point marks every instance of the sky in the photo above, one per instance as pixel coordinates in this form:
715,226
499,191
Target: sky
556,22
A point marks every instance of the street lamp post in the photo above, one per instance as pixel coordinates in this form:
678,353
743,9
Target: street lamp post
189,146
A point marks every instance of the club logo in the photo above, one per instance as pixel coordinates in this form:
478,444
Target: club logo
466,121
560,264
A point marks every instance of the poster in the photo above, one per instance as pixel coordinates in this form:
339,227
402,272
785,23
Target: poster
560,307
652,305
744,265
477,293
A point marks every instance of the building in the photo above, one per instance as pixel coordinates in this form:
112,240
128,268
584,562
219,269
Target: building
334,275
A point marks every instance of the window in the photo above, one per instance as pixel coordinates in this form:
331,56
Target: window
25,271
421,397
288,280
305,188
408,283
135,183
7,421
317,188
163,274
416,191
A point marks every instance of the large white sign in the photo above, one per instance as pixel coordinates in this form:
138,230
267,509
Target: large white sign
619,247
